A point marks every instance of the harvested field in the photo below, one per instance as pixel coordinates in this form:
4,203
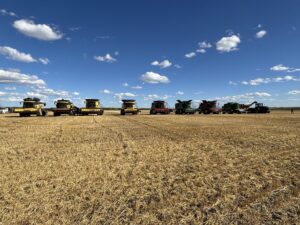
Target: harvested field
111,169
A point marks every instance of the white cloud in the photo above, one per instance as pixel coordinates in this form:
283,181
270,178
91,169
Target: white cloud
204,44
4,12
259,26
163,64
190,55
228,44
294,92
260,34
137,87
125,94
10,88
232,83
14,77
76,93
154,78
105,91
177,66
156,97
14,54
39,31
45,61
125,84
180,93
244,97
281,67
107,58
201,50
259,81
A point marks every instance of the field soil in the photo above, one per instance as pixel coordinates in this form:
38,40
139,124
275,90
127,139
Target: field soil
158,169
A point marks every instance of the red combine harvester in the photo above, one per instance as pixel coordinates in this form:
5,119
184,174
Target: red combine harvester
160,107
207,107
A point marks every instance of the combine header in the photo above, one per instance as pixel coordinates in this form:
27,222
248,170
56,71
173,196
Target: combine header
31,106
64,106
184,107
129,106
207,107
92,106
160,107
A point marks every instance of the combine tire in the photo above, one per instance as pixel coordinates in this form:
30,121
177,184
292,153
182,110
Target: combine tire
122,113
56,114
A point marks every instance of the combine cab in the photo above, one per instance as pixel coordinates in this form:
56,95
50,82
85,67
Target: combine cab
232,107
64,106
92,106
129,106
259,108
184,107
160,107
208,107
32,106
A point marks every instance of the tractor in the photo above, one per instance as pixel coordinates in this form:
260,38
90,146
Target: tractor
160,107
184,107
232,107
207,107
92,106
31,106
258,108
129,106
64,106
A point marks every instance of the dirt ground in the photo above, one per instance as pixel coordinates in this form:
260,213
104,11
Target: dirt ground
158,169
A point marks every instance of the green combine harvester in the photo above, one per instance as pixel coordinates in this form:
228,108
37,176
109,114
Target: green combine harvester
184,107
232,107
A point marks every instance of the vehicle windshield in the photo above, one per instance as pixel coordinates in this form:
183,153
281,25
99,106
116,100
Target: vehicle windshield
159,105
61,105
129,105
28,104
91,104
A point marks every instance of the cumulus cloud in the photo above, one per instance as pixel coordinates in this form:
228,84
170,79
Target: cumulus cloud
137,87
259,81
76,93
124,94
232,83
4,12
260,34
180,93
10,88
154,78
163,64
228,44
15,77
39,31
105,91
204,44
201,51
244,97
45,61
294,92
125,84
281,67
107,58
14,54
177,66
156,97
190,55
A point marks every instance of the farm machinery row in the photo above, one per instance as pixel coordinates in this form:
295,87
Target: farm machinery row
33,106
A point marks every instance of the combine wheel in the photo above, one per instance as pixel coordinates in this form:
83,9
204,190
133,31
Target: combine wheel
44,113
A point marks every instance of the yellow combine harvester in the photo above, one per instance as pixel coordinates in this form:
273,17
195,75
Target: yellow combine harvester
31,106
92,106
129,106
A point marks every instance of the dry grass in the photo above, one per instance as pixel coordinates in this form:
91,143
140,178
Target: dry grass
218,169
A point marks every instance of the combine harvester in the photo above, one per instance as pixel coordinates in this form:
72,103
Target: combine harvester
64,107
160,107
184,107
31,106
232,107
129,106
208,107
92,106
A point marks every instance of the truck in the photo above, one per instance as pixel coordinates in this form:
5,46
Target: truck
31,106
129,106
184,107
64,106
92,106
208,107
160,107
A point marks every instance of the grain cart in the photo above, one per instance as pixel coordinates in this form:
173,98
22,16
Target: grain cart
31,106
207,107
232,107
160,107
129,106
92,106
259,108
184,107
64,106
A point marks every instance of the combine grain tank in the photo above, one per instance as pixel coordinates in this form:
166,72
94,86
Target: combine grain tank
129,106
232,107
92,106
207,107
64,106
31,106
184,107
160,107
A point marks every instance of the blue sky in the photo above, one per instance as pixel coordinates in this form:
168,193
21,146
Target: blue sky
148,50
